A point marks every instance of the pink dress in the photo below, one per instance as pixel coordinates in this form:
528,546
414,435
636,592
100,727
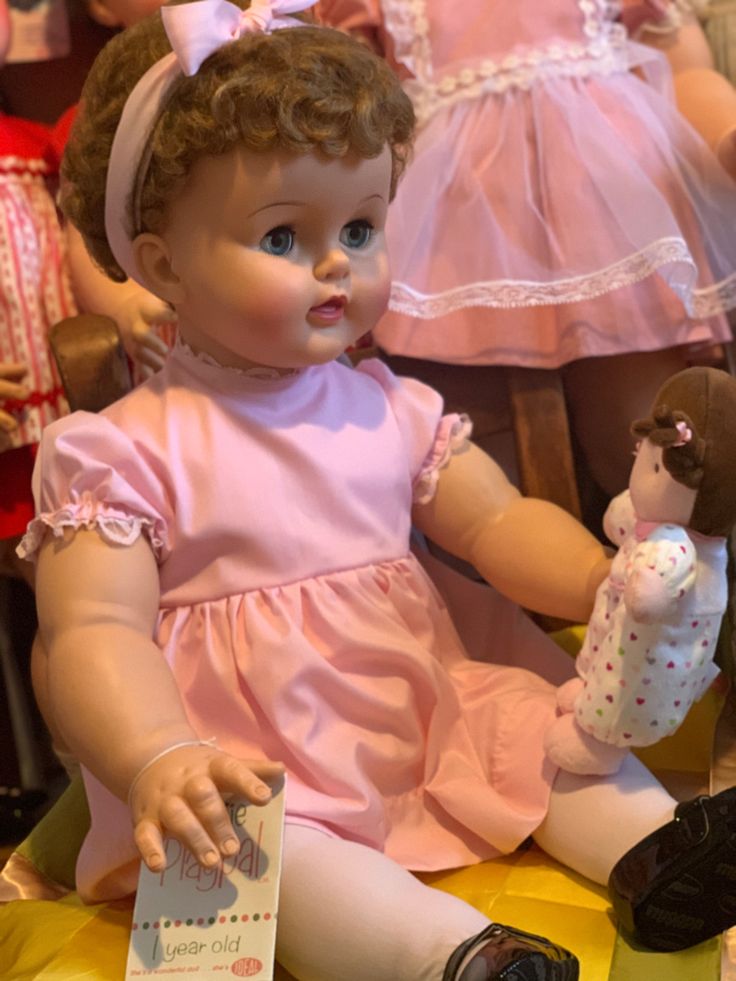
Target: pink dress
557,205
297,622
34,294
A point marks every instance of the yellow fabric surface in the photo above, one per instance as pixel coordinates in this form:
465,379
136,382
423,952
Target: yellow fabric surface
531,891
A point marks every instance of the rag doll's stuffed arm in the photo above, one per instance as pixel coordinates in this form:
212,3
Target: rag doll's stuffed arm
663,570
115,702
133,308
704,96
532,551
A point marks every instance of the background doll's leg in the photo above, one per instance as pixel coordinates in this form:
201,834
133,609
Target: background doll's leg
593,821
604,396
348,912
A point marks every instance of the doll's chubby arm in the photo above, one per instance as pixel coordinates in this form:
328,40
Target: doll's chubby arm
133,308
532,551
116,704
704,96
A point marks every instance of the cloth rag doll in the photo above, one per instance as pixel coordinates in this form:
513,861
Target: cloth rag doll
648,653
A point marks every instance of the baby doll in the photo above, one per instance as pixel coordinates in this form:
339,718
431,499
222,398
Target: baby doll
558,210
225,584
648,652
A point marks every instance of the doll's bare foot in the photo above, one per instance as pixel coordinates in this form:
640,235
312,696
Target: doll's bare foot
574,750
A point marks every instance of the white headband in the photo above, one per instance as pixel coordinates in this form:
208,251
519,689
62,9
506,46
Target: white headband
195,30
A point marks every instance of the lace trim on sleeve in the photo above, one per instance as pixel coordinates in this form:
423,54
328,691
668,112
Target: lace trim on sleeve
452,434
114,528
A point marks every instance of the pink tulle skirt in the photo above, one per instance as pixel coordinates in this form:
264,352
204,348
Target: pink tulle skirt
579,217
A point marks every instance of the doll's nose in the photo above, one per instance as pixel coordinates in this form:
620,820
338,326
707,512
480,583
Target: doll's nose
332,265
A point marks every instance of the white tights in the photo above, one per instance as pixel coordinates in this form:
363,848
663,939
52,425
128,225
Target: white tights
348,913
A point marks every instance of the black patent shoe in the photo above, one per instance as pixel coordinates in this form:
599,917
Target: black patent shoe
506,954
677,887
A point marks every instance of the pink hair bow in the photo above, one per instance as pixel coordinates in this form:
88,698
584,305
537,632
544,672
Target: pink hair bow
195,30
686,434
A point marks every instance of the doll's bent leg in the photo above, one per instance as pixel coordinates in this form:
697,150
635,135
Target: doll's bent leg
593,821
348,913
670,868
604,396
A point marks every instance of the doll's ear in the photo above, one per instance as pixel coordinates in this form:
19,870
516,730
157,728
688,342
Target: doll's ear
154,264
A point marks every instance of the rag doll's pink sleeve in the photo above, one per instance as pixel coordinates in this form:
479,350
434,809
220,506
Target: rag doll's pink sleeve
91,475
430,436
350,15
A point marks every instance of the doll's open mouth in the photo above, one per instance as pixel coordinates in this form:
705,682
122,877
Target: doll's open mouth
330,311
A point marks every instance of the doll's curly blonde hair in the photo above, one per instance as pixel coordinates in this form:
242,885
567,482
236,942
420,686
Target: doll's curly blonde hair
300,89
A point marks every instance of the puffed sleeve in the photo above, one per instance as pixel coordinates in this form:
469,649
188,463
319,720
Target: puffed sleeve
90,474
429,436
350,15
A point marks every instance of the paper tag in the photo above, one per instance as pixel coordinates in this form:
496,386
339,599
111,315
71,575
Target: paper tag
213,923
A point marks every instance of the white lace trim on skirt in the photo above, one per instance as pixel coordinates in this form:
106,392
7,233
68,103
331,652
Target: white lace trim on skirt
508,293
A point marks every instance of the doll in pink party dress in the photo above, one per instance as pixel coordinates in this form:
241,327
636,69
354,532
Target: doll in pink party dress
225,583
45,274
559,209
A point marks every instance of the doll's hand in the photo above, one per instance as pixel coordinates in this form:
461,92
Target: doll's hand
136,317
11,374
180,794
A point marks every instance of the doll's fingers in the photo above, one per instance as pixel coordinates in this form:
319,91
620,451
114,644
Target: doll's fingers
179,820
148,840
7,423
206,802
247,779
150,341
11,390
147,358
13,370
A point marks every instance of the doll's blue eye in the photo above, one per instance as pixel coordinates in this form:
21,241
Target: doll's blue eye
356,234
279,241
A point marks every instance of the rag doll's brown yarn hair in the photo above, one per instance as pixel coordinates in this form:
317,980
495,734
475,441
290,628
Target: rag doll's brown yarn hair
301,89
704,399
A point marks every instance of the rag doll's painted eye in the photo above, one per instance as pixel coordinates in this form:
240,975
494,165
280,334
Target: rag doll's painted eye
356,234
656,468
279,241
